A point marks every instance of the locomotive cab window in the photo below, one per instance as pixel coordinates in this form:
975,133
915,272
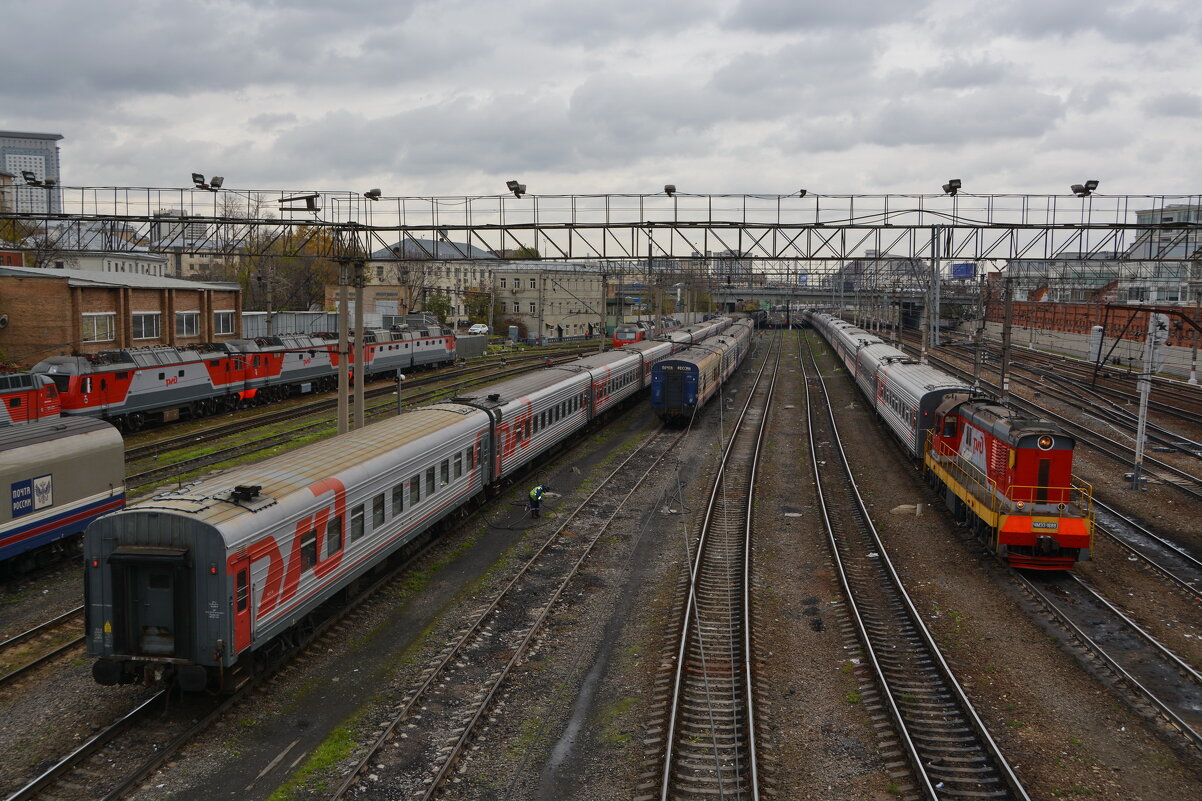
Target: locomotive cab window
949,426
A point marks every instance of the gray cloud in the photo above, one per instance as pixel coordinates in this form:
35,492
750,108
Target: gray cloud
816,15
1174,104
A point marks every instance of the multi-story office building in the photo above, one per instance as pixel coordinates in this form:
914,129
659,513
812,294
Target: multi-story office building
35,153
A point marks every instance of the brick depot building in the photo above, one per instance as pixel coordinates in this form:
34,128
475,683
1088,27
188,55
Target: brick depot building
50,312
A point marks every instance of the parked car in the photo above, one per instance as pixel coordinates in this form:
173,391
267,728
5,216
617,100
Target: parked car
478,328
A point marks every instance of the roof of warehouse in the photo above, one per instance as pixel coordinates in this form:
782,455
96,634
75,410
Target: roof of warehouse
97,278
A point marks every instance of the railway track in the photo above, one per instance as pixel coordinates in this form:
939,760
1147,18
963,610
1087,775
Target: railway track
708,747
25,651
434,725
1157,682
1167,559
936,745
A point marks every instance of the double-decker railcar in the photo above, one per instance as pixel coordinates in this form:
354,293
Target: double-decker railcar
190,585
27,398
60,475
683,383
983,457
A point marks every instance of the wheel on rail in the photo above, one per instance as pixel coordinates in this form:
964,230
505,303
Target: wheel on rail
134,421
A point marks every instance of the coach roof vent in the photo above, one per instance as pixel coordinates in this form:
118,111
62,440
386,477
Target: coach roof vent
245,492
246,496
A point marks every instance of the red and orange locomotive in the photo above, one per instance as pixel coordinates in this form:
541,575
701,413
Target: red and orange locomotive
1010,478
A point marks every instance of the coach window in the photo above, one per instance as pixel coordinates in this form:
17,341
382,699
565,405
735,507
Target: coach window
445,472
377,511
398,499
243,591
471,457
415,489
458,464
334,533
357,522
309,549
429,481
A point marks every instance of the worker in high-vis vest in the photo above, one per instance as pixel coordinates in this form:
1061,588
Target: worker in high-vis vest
536,497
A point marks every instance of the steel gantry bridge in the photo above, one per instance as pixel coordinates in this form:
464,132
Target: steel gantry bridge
782,234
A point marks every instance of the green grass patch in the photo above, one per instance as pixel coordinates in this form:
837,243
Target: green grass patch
312,776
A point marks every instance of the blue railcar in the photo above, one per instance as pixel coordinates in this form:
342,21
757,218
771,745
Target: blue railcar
684,383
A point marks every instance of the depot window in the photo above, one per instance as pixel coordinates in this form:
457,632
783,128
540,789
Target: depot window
99,327
223,322
147,325
187,324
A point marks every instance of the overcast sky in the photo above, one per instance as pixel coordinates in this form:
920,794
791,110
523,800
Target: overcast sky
757,96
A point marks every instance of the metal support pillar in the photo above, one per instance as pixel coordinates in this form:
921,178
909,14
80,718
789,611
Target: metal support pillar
344,279
360,347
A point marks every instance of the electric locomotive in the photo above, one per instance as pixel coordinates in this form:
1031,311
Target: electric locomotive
27,398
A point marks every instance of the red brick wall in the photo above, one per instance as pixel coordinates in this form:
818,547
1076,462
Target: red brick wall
42,322
1079,318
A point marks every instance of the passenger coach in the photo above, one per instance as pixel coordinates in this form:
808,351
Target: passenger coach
192,585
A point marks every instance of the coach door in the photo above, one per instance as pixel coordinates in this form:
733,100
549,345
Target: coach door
150,599
240,570
674,381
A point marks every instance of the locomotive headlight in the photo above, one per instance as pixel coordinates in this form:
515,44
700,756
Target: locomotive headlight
1020,504
1045,442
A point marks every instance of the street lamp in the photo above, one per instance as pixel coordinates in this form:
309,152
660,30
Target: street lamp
372,194
952,187
517,189
670,189
212,186
1084,190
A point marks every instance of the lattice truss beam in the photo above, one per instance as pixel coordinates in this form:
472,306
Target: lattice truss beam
1150,236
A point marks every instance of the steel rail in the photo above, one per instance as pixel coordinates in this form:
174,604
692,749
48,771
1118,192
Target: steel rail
1088,642
913,754
690,611
451,654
